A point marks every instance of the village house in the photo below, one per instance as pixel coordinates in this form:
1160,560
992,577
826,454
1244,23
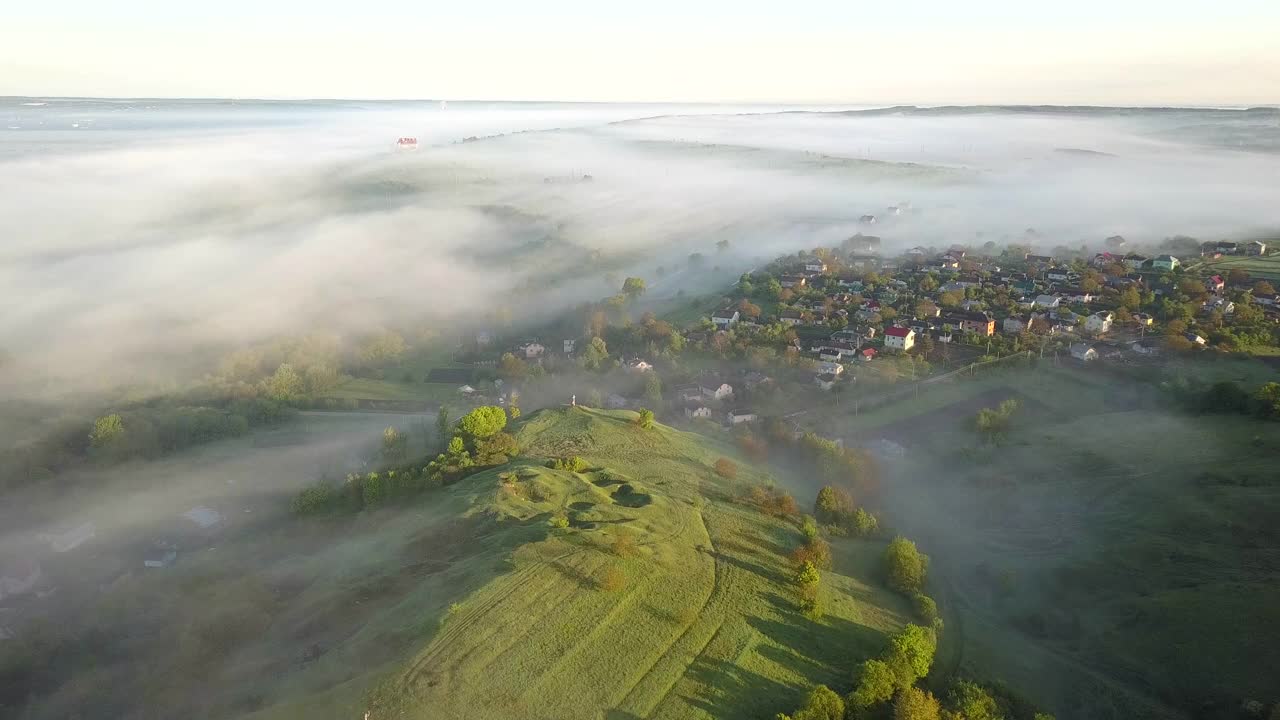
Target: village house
530,350
1076,295
791,317
975,322
714,388
1165,262
738,417
1014,325
1099,322
863,244
917,254
1196,338
793,281
689,393
825,381
1143,319
639,365
1133,261
826,367
868,354
1039,259
569,345
725,318
1255,247
867,219
1047,301
1214,284
696,410
815,265
1083,352
1057,274
899,338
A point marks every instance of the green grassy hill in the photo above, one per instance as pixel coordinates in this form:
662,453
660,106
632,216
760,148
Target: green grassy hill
690,615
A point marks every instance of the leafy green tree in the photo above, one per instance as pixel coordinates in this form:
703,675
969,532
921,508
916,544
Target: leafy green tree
384,348
512,368
809,527
916,704
911,654
107,430
864,523
875,684
905,566
285,384
822,703
926,609
443,428
807,575
974,702
633,287
395,444
595,354
832,505
1267,400
483,422
513,406
653,389
645,418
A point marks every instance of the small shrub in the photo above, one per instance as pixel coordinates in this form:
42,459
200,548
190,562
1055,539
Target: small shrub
624,545
314,499
726,468
817,551
809,527
559,521
905,566
645,419
572,464
926,609
612,580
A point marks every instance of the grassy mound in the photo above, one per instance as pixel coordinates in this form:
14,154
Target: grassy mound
664,597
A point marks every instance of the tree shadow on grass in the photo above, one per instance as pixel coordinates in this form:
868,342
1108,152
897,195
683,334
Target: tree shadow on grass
728,692
825,650
584,581
751,567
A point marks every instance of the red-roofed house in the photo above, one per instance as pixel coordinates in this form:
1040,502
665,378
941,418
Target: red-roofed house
899,338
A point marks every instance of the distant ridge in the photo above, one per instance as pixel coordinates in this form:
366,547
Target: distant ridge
1045,110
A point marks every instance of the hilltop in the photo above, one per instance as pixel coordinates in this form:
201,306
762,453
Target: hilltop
666,596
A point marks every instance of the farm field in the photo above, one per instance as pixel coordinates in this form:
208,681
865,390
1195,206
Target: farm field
1124,582
1259,267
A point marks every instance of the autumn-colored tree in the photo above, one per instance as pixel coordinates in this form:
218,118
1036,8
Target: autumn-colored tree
726,468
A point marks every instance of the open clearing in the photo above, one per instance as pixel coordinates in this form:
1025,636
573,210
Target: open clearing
1136,579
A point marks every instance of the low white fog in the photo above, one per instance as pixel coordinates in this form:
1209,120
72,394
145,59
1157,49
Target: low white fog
137,230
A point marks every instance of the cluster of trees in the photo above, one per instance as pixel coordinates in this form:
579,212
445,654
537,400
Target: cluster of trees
834,507
905,570
475,442
1231,398
993,423
572,463
773,501
150,431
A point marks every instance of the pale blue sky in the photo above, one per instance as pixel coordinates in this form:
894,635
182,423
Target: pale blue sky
926,51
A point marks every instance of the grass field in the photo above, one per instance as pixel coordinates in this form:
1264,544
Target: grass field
1109,558
1258,267
702,625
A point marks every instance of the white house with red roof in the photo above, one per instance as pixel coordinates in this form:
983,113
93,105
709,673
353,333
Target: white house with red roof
899,338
